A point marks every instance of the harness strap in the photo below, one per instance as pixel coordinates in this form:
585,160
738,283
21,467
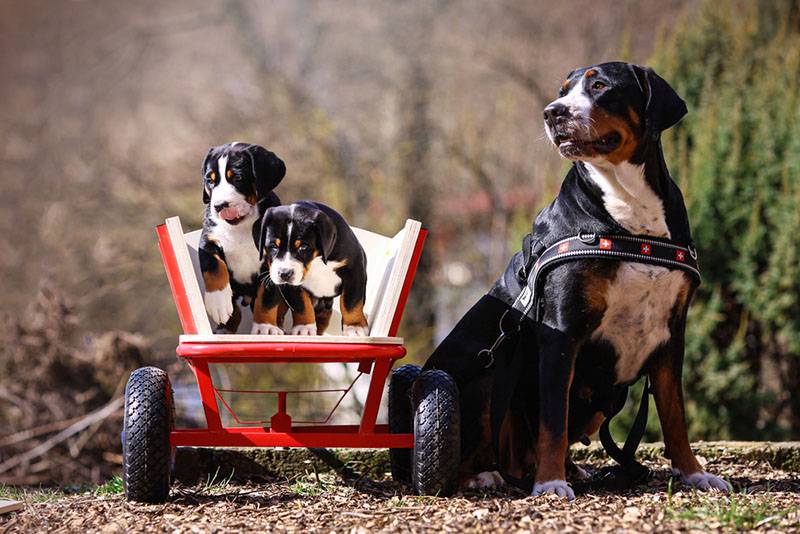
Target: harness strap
625,457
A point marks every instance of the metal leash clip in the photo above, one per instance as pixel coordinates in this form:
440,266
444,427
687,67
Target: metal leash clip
497,342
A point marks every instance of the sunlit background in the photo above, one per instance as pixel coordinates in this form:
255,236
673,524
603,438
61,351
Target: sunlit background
385,110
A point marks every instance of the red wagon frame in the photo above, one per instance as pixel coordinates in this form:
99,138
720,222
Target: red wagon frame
374,359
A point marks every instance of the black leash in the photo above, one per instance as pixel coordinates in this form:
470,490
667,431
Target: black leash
528,304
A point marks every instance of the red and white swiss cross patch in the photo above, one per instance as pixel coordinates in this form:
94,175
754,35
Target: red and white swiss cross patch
646,249
605,244
563,247
680,255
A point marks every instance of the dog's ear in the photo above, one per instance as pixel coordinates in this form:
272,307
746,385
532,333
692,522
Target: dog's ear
206,192
262,233
663,107
326,234
268,169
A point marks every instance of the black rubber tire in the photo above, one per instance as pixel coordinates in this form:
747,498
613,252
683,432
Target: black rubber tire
400,418
146,452
437,434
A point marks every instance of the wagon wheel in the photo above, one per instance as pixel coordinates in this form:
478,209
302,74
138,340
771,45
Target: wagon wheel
437,434
146,451
400,418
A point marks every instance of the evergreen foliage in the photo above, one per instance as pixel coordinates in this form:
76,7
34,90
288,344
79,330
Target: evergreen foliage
736,157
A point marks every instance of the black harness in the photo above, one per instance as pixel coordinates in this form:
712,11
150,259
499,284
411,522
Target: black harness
539,259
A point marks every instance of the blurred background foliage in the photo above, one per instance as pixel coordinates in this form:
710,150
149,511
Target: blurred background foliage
388,110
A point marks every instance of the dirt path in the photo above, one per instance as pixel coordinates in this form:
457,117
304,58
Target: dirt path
766,500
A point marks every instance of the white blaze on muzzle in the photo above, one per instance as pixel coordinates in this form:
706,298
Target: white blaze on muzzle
579,106
225,192
283,265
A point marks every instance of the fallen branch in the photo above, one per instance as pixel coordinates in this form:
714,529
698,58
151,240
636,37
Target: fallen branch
45,446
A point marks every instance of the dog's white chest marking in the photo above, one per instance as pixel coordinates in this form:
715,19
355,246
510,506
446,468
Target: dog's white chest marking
641,298
629,199
241,253
321,279
636,321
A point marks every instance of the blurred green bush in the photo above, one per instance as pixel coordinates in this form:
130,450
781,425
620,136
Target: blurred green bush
736,157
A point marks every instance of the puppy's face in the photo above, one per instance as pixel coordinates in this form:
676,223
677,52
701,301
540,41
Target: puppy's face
607,112
292,237
235,177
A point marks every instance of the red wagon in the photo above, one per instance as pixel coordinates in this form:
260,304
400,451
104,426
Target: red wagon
419,455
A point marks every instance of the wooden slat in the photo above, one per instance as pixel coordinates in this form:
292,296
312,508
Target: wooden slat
7,506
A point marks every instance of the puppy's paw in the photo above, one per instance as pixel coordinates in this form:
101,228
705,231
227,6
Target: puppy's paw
556,487
355,330
485,480
219,305
304,330
266,329
705,481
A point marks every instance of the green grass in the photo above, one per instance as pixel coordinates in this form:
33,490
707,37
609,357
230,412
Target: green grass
112,487
30,495
738,510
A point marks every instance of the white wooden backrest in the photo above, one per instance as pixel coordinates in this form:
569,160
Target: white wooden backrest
388,259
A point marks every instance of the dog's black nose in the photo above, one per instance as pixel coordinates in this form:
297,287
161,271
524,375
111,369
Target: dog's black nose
285,274
555,110
220,206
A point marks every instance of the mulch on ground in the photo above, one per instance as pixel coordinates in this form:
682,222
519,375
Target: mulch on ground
766,499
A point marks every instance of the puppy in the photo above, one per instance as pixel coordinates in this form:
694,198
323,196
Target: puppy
603,324
238,180
310,256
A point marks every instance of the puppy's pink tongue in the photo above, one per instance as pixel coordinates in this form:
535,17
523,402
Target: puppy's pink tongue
229,214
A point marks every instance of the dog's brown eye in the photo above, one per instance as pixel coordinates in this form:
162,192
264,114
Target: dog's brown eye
598,85
229,173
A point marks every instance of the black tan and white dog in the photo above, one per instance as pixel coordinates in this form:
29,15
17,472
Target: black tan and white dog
238,180
310,256
603,323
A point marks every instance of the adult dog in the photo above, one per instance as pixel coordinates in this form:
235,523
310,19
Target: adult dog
602,324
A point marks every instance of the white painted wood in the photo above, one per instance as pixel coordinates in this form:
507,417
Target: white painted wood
8,506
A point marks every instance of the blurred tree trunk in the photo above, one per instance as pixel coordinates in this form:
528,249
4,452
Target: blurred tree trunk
418,182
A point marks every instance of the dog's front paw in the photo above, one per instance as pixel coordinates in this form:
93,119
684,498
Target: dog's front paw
266,329
706,481
304,330
485,480
355,330
556,487
219,305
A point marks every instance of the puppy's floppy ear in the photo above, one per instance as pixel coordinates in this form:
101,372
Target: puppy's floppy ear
262,234
663,107
268,169
326,234
206,192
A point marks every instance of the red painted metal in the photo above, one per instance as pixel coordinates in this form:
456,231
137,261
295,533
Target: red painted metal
286,352
175,282
373,359
259,437
412,271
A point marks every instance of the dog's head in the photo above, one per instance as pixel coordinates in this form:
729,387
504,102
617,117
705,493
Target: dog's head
610,111
291,238
236,176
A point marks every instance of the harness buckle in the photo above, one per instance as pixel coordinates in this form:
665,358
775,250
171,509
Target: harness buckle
588,238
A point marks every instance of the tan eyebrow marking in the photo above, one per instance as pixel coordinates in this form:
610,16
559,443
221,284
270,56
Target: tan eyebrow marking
565,85
590,73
